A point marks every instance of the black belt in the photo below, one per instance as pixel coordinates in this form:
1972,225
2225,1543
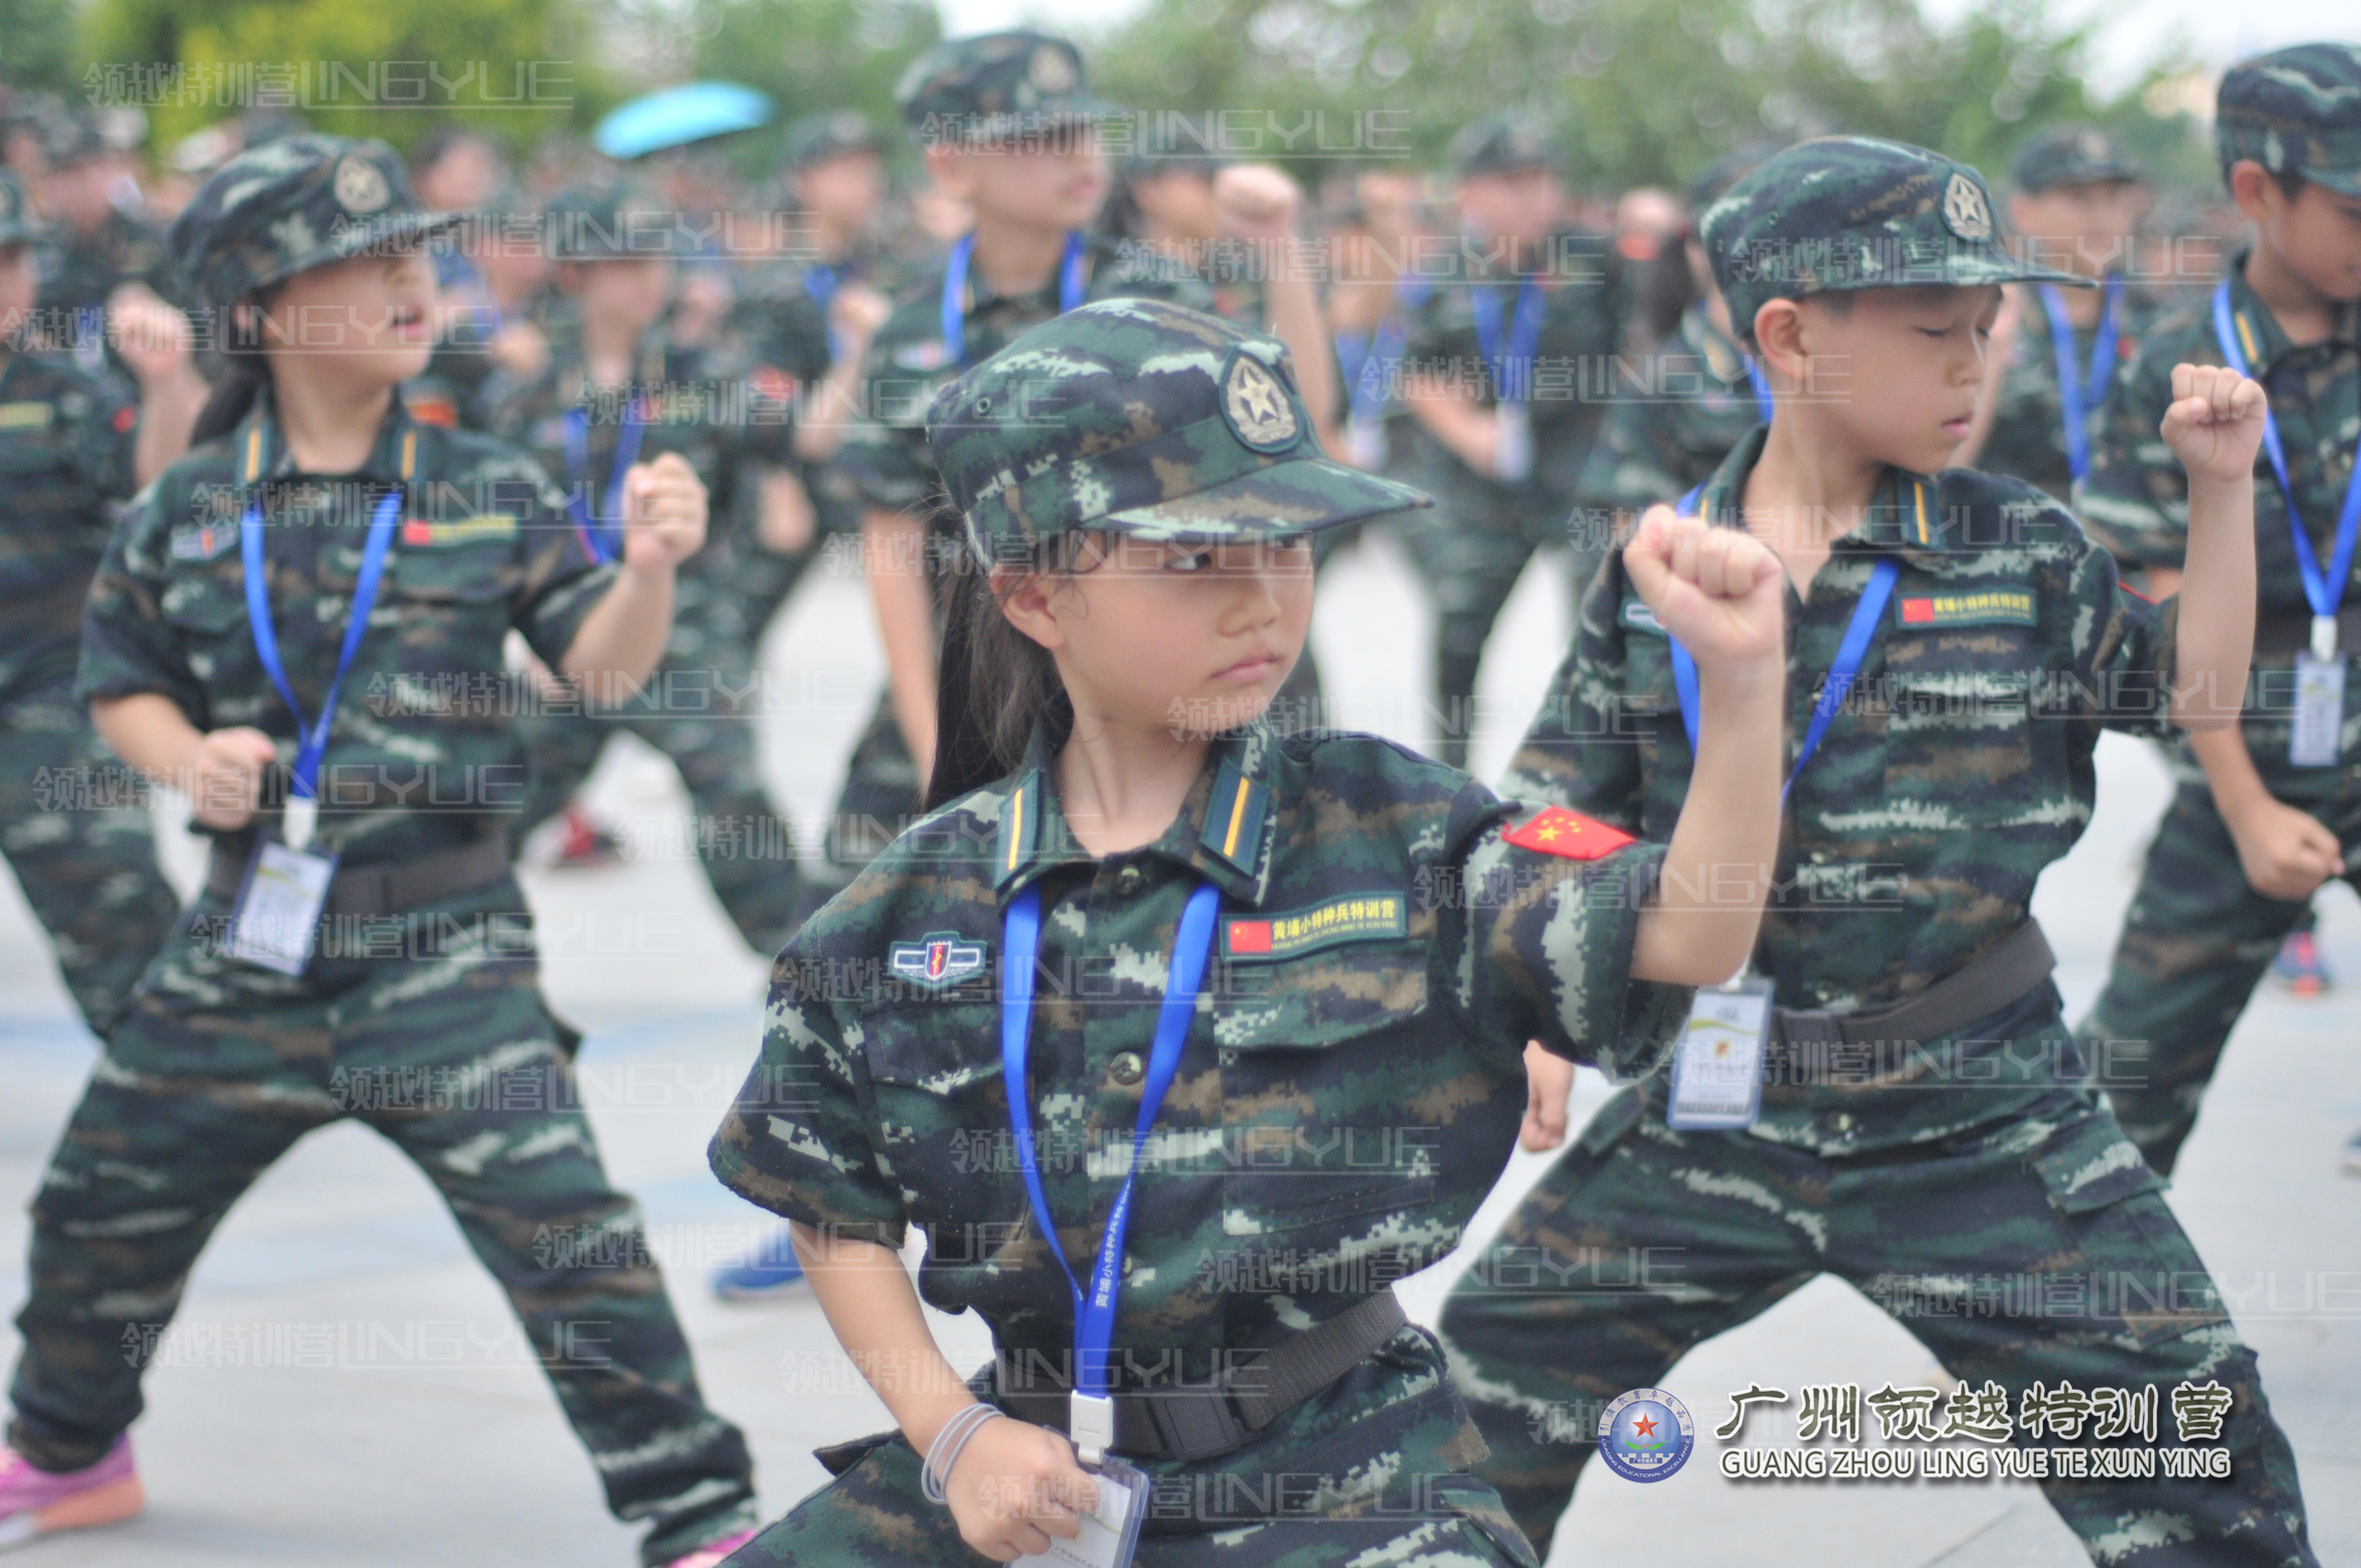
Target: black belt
382,890
2002,973
1206,1422
2288,635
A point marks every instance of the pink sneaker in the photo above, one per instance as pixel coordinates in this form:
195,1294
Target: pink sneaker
41,1502
710,1554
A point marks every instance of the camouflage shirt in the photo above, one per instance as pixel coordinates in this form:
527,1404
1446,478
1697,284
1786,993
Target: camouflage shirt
2135,501
1957,770
419,758
1351,1086
1581,330
65,455
1665,436
2029,433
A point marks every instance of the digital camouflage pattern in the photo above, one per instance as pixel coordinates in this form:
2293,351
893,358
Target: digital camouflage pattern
482,547
1504,144
2028,432
701,704
2034,1250
74,832
987,87
1855,213
2199,937
287,206
1381,957
429,1028
2071,154
831,133
1143,418
2295,109
1665,436
1956,771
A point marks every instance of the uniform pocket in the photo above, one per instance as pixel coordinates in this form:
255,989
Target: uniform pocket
209,603
2139,1274
941,1116
476,573
1958,726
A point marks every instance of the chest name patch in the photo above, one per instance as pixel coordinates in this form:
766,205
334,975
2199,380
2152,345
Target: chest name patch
938,960
1568,834
1985,606
26,416
417,530
203,543
1355,917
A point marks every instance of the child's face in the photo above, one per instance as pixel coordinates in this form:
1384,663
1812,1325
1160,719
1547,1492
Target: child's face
1189,636
1051,181
846,190
1901,369
1523,204
628,289
370,318
2317,235
1181,202
20,282
2085,228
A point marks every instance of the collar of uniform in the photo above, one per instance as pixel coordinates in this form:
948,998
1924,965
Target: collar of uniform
1907,516
1223,832
980,295
262,457
2260,335
1719,351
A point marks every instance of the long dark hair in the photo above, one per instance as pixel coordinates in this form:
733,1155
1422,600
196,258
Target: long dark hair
243,370
994,683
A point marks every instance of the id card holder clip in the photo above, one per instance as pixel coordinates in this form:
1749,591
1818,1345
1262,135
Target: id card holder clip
1512,456
1111,1530
2312,740
1090,1421
276,918
1718,1065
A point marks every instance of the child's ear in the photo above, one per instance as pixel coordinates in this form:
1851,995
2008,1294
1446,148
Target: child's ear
1779,338
949,168
1024,598
2252,188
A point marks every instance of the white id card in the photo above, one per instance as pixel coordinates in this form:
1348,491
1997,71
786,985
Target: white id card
1718,1065
1110,1531
1512,456
278,913
2318,710
1365,440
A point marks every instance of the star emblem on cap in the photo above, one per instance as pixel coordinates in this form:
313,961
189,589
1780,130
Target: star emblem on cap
360,185
1258,407
1049,69
1965,210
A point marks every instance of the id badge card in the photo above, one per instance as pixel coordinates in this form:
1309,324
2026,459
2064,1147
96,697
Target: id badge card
1365,440
1110,1531
278,914
1512,457
2318,710
1718,1065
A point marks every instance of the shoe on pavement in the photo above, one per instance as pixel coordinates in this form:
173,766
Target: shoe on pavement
2353,1155
712,1552
36,1502
770,1274
2299,969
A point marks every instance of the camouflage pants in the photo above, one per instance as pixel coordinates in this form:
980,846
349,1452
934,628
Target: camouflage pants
703,717
2057,1205
2197,940
87,865
1302,1496
438,1040
1470,548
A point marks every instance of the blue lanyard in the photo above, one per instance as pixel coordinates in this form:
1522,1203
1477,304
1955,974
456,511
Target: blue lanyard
954,323
1762,384
1384,344
311,739
1860,631
1524,333
2082,394
2325,592
821,283
600,537
1094,1313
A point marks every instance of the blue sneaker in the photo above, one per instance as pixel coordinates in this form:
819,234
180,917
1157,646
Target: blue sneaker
768,1276
2299,969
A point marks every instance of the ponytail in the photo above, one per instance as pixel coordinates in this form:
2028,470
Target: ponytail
994,684
246,370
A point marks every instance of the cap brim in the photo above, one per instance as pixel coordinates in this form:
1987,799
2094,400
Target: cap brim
1304,495
365,235
2344,181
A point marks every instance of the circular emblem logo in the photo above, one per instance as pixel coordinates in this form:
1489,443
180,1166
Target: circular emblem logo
360,186
1257,406
1645,1434
2094,147
1050,70
1964,209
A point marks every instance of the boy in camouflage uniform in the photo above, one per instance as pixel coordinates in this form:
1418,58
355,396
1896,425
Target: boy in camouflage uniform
2240,854
614,387
1495,376
417,1008
74,830
1921,1126
1381,933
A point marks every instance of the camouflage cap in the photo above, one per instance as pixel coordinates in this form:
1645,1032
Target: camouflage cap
17,223
2295,111
816,138
604,219
994,85
1843,213
1504,144
2071,154
290,205
1141,418
68,136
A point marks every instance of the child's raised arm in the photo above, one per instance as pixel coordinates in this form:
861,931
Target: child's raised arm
2215,425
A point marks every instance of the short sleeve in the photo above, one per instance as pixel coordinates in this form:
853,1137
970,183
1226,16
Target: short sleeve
2120,647
797,1141
2135,500
884,456
105,442
562,583
129,646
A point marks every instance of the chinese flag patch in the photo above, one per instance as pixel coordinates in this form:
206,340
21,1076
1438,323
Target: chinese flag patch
125,418
1558,831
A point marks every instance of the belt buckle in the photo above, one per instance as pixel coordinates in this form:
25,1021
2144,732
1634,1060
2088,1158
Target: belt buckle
1193,1424
1810,1026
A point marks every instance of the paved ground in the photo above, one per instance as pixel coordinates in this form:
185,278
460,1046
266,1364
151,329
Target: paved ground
344,1386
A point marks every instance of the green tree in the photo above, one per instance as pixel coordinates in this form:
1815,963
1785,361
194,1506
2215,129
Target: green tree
810,55
37,44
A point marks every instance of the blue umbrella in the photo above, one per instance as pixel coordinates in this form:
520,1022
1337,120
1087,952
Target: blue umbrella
678,115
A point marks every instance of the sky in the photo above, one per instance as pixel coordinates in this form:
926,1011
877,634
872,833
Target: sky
2220,32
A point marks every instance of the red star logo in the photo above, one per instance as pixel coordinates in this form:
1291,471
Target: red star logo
1643,1427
